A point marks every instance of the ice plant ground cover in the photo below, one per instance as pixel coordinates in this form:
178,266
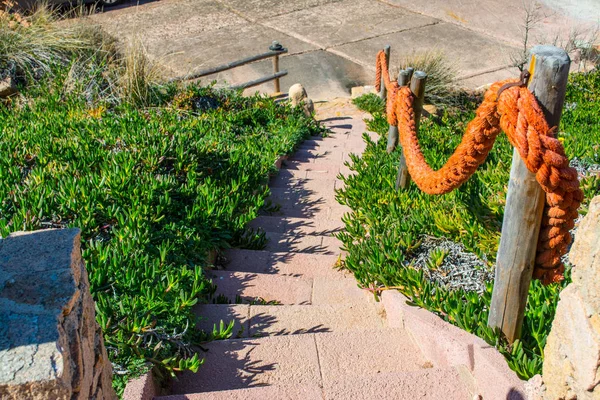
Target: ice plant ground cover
153,189
389,233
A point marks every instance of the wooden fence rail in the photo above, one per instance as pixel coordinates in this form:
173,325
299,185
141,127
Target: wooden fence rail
275,50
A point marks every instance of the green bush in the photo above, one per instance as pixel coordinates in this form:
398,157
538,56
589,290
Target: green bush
385,227
153,191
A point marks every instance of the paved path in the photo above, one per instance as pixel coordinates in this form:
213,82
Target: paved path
327,339
333,43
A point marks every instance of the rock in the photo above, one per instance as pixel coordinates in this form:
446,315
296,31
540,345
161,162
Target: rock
534,388
572,352
50,344
430,109
585,256
297,94
7,87
309,107
299,97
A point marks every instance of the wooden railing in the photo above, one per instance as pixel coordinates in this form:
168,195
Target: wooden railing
275,50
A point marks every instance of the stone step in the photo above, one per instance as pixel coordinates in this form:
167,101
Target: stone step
259,320
329,167
318,359
298,242
286,289
298,179
291,392
316,156
317,208
320,227
297,264
250,287
347,146
304,197
426,384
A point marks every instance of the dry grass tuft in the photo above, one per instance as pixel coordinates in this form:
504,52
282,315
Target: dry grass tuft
441,74
139,76
30,45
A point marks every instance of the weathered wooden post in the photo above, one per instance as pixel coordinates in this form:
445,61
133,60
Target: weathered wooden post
549,69
276,46
417,87
382,88
403,79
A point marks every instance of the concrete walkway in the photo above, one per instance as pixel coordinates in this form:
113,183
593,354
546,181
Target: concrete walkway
326,338
332,43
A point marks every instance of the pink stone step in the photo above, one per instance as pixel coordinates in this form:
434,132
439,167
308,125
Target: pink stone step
298,242
294,320
355,353
305,195
312,156
209,315
268,287
339,291
259,320
330,244
288,289
307,211
319,227
244,363
426,384
354,144
291,392
330,167
296,264
309,359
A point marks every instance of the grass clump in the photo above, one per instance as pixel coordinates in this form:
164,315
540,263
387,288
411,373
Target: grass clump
139,77
441,74
384,230
31,44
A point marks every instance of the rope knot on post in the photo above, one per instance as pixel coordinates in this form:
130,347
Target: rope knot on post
507,106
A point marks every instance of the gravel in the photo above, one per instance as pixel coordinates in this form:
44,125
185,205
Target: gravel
460,268
584,168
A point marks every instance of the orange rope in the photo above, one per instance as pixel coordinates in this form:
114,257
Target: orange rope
517,113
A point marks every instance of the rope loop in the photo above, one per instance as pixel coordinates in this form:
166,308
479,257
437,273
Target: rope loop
510,107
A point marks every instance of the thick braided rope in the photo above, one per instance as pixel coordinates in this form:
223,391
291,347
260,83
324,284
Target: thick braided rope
518,114
391,86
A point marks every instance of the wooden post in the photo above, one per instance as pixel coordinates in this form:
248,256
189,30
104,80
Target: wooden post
382,88
417,86
549,69
276,46
275,71
403,78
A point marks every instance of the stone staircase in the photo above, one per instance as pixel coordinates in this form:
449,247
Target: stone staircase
324,338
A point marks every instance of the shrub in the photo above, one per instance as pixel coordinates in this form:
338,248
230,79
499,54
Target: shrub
385,228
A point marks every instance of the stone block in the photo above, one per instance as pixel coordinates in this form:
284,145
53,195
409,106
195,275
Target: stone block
572,352
50,344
